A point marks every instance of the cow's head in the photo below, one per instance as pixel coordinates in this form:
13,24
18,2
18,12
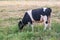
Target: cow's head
20,25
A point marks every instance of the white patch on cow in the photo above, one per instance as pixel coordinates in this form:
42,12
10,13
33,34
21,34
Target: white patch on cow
30,14
44,9
45,18
41,18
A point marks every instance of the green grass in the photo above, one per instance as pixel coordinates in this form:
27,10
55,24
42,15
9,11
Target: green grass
12,32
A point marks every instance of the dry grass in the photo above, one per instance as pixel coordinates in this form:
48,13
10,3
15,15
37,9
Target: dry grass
16,9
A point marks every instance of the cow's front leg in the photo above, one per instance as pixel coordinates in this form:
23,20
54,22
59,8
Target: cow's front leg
32,26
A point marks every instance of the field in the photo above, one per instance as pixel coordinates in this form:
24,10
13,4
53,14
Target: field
11,12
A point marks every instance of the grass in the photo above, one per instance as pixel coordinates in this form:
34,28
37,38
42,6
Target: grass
12,32
53,34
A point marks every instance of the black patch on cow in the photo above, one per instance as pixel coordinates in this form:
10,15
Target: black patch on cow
46,22
26,19
36,14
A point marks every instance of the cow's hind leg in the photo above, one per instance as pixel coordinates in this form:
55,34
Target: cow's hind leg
45,25
49,23
45,22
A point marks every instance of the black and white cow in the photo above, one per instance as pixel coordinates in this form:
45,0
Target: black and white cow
36,15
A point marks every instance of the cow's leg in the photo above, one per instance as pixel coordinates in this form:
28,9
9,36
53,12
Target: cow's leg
45,25
45,22
28,25
32,25
49,26
49,23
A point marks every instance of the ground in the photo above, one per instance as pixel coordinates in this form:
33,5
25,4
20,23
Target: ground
11,12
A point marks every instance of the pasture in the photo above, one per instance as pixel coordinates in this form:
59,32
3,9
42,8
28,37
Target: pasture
12,12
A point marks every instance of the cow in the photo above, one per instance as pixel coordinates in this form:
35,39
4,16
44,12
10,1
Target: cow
38,15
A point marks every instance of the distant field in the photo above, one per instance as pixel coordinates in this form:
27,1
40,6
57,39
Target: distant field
12,11
17,8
